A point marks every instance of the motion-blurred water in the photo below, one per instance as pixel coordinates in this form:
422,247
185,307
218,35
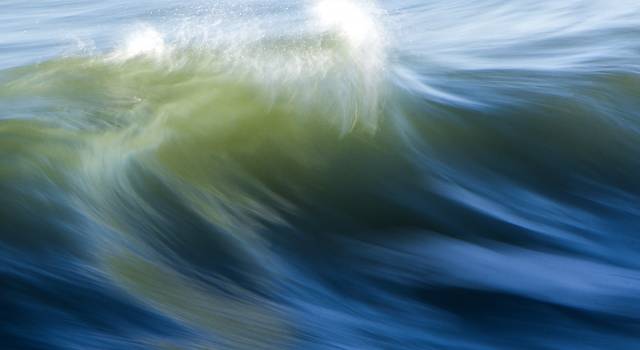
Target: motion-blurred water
403,174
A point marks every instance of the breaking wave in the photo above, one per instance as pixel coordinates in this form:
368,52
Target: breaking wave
337,174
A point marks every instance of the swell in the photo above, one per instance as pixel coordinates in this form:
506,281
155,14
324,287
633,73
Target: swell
237,187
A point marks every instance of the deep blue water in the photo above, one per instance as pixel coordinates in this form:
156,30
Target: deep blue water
323,174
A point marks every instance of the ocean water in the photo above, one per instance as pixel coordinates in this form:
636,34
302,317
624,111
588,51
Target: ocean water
322,174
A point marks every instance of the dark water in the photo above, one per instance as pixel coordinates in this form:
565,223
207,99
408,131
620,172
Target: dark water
320,174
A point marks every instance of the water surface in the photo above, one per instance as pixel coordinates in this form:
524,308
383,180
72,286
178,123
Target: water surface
320,174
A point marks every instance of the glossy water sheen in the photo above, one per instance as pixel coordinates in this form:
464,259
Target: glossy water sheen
459,174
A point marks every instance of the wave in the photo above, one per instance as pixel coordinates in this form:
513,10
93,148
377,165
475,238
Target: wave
339,183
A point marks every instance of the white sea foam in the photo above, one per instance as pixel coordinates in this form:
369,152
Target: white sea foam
144,41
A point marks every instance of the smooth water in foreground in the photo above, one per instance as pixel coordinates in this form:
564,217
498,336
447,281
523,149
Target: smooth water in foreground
330,174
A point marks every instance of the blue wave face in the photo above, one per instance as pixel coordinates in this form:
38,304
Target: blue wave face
319,175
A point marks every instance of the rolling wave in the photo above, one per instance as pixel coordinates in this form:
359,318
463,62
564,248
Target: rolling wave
337,174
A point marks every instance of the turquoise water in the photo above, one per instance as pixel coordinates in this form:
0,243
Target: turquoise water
320,174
